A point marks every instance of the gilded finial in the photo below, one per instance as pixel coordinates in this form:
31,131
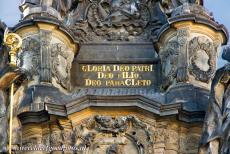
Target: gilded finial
14,42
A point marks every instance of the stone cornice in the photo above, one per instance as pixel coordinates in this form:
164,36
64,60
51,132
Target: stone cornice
137,102
190,17
51,21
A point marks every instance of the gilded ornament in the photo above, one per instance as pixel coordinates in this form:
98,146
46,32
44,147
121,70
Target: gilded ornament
14,42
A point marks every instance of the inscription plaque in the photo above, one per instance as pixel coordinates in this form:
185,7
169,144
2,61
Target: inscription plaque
116,75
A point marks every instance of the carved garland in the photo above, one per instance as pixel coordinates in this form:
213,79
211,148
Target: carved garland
196,44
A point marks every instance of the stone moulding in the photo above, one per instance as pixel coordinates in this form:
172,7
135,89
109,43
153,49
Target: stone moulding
214,25
130,102
59,25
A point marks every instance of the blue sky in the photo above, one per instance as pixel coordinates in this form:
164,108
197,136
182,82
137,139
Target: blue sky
10,13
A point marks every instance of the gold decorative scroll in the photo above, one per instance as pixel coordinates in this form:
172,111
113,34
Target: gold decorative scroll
14,42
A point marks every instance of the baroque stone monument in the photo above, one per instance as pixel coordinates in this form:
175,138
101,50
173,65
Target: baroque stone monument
114,77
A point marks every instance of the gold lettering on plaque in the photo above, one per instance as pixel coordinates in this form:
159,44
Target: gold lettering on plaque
117,75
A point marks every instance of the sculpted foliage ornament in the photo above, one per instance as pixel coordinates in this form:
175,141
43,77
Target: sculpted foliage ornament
202,58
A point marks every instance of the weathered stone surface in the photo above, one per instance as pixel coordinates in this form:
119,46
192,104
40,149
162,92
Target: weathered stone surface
215,134
3,123
176,47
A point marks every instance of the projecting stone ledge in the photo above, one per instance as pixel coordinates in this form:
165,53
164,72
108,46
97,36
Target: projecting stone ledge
51,100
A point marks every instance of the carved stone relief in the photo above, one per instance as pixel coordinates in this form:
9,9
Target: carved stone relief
29,57
108,135
61,63
44,58
169,57
201,58
116,20
58,133
45,69
182,70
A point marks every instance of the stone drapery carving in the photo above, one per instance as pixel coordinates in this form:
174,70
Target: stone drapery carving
105,134
202,58
215,137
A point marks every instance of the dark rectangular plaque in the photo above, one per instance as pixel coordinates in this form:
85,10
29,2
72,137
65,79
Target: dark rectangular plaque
116,75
